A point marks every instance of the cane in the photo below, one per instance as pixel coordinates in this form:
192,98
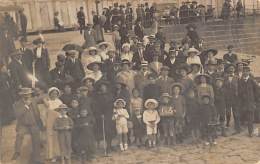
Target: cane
104,135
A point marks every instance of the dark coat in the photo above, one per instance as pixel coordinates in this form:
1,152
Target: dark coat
6,45
220,101
27,58
81,18
194,36
138,57
173,66
230,58
108,69
75,70
165,84
247,92
60,78
42,66
23,21
152,91
208,114
19,75
139,32
231,90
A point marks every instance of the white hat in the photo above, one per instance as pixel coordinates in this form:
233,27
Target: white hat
54,89
126,45
120,100
193,50
151,101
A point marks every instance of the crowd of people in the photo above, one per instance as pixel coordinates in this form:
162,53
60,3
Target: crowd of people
134,88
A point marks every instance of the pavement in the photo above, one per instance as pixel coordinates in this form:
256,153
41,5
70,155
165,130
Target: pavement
236,149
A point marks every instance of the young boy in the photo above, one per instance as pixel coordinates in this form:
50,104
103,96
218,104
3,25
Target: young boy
193,115
120,116
178,101
151,118
220,103
167,112
85,140
63,125
208,120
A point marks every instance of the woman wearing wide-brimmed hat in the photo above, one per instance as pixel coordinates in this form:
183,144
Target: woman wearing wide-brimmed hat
126,53
95,68
183,70
196,69
208,55
88,56
193,56
204,86
103,48
52,102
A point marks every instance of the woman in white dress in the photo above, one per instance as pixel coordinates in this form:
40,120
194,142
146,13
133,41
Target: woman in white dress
126,53
89,56
52,102
103,47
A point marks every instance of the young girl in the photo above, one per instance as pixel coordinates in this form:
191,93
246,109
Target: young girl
167,112
63,125
120,116
151,118
136,113
178,101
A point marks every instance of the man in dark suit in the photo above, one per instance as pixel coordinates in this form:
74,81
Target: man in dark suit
74,68
247,92
28,122
173,63
139,30
138,56
230,57
231,96
23,23
19,73
41,64
81,19
27,58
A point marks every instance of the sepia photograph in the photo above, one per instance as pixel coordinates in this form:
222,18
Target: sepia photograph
129,82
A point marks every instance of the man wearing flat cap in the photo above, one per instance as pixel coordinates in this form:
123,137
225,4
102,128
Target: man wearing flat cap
28,122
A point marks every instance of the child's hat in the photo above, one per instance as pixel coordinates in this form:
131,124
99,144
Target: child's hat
62,107
119,100
151,101
177,85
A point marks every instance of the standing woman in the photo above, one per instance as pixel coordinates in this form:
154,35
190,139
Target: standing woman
98,28
52,102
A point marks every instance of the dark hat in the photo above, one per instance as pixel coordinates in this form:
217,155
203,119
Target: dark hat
197,78
25,91
62,107
90,66
184,66
191,26
230,46
116,4
72,53
214,51
227,67
177,85
38,41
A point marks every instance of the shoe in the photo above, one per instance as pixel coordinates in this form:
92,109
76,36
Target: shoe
15,156
121,147
126,146
207,143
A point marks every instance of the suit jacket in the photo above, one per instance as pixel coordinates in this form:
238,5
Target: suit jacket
231,89
27,58
139,32
138,57
173,66
248,92
18,74
230,58
75,70
60,78
165,84
28,117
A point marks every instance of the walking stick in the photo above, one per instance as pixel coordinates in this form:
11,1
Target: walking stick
104,135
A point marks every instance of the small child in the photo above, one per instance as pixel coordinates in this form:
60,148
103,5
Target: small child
151,118
63,125
120,116
136,113
179,103
167,113
193,115
208,120
85,135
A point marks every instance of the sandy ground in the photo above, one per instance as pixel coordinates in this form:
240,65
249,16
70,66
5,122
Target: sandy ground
238,149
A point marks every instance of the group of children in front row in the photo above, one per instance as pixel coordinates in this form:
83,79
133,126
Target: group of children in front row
173,117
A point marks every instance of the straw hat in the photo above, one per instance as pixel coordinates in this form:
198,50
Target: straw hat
54,89
25,91
120,100
193,50
177,85
155,102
